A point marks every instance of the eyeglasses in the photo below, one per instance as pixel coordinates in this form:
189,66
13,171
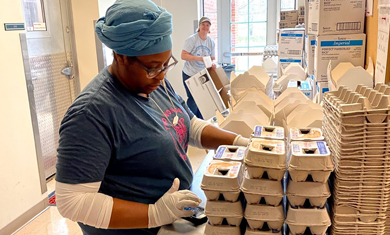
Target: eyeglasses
152,73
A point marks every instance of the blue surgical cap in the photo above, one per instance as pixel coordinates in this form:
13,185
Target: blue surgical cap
135,28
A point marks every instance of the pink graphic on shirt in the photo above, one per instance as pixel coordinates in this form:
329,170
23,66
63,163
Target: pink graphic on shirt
181,131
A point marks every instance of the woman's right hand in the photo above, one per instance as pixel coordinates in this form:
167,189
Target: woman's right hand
170,206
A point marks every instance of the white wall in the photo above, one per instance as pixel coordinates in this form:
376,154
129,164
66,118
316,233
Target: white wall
183,15
84,13
20,187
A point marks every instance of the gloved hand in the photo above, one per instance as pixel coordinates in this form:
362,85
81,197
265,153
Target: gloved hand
170,206
241,141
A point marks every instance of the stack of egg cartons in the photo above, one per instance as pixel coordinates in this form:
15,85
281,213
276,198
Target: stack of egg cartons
308,156
221,185
356,124
265,166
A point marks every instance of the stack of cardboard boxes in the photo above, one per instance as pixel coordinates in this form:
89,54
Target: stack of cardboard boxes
356,124
336,30
290,19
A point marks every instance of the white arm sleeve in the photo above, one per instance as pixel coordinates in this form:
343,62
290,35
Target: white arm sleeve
197,126
83,203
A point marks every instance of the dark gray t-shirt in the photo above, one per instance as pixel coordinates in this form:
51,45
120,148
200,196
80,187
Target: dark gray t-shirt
123,140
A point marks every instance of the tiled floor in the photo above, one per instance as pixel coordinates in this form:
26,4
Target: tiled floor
50,222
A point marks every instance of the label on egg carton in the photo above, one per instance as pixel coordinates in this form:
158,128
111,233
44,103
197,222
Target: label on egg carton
230,153
269,132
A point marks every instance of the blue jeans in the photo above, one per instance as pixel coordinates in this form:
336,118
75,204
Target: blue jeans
190,101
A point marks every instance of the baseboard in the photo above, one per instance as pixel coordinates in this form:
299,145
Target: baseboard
25,217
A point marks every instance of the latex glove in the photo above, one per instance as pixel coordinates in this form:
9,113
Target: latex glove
170,206
241,141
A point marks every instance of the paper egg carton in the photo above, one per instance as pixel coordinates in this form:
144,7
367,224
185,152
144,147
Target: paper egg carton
222,230
309,156
298,220
250,231
257,215
266,153
305,134
268,132
230,153
256,172
256,189
227,196
222,176
303,176
217,211
316,193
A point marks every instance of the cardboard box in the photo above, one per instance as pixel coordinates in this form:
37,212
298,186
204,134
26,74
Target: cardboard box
288,15
304,86
301,11
310,49
346,74
283,62
338,48
290,42
336,17
222,83
287,24
206,95
301,19
321,88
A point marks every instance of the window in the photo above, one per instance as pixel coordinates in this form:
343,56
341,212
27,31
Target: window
248,27
210,10
244,26
286,5
34,15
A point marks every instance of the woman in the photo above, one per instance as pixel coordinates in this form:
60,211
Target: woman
196,47
122,166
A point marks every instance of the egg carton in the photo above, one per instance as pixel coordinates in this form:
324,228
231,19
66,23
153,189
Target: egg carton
268,132
216,211
346,213
316,193
222,176
257,215
309,156
228,196
302,176
256,172
256,189
230,153
266,153
317,220
222,230
250,231
305,134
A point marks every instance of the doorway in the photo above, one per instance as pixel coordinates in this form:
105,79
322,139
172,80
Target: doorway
51,74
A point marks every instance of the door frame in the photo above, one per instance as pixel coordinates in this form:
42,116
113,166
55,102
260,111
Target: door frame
70,46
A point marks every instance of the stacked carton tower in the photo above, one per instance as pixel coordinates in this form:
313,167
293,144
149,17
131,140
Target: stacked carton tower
357,125
308,155
221,185
265,166
334,32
